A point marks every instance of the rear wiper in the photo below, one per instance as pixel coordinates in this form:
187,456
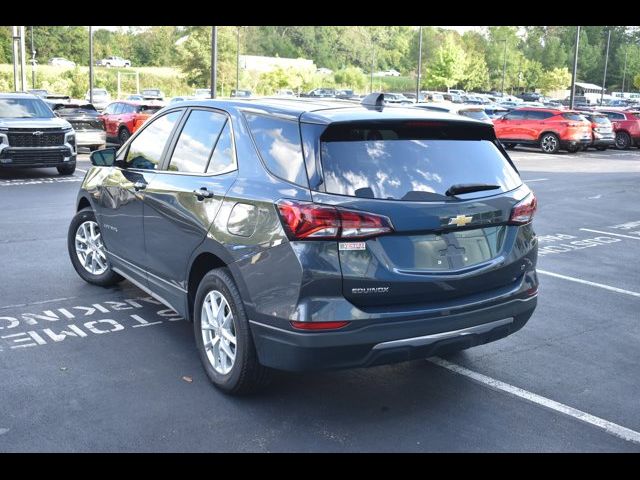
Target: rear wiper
468,188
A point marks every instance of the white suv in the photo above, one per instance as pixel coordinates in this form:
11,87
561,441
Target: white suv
113,62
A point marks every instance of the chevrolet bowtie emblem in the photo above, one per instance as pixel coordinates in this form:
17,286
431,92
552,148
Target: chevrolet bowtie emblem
460,220
37,133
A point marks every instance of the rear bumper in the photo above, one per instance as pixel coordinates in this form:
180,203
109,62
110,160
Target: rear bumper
90,138
597,142
389,341
574,142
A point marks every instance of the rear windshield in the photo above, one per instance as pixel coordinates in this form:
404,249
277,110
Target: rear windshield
573,116
148,109
382,163
477,114
600,119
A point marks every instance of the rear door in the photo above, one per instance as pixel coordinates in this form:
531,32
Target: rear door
442,247
510,126
534,124
184,197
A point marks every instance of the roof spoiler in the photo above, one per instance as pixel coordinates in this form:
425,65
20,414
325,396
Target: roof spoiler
375,100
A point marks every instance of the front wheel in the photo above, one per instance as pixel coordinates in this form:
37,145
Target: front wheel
66,169
87,250
223,338
549,143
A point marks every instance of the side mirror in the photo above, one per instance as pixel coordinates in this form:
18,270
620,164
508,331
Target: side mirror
104,158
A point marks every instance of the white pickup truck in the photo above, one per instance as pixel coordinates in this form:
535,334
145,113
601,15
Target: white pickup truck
113,62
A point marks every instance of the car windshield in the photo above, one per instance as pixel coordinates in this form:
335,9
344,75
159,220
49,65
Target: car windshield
148,109
392,164
24,108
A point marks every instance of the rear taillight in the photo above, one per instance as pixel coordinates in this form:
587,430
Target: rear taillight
524,210
138,120
318,325
305,220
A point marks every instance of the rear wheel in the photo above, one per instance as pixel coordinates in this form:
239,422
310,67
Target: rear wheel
573,149
223,338
601,148
623,141
549,143
66,169
123,135
87,250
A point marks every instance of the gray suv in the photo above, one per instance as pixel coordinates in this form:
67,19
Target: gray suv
32,136
313,234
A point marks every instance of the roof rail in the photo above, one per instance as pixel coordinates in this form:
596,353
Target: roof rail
375,99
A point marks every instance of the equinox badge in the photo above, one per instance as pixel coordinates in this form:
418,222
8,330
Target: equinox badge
370,290
460,220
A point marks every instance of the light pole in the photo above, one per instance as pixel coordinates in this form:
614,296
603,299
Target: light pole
624,71
214,60
575,70
504,66
91,64
419,65
373,56
238,62
606,61
33,62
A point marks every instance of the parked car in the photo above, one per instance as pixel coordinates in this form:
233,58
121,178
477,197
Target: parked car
135,97
62,62
122,119
152,94
452,97
603,135
113,61
548,128
202,93
285,92
626,125
495,111
38,92
241,93
471,100
101,98
426,248
396,98
530,97
180,99
32,136
346,94
84,118
387,73
320,92
456,91
469,111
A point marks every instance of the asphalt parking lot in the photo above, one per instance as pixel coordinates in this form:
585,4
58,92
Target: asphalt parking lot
92,369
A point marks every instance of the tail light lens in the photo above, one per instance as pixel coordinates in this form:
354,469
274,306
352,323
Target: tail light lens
318,325
138,120
524,211
305,220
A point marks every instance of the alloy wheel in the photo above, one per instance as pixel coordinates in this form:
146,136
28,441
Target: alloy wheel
549,143
218,332
90,249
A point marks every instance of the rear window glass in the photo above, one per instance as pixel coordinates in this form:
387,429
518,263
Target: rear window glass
477,114
148,109
279,145
599,119
383,164
576,117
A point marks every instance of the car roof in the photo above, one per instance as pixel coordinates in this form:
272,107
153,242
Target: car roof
324,111
18,95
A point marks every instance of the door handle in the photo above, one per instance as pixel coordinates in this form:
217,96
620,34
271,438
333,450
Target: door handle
139,186
203,193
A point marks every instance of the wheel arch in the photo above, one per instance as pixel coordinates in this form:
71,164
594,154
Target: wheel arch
548,131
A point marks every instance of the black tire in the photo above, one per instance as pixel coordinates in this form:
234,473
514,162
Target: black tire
106,279
66,169
123,135
549,143
601,148
623,141
93,148
510,146
246,375
573,149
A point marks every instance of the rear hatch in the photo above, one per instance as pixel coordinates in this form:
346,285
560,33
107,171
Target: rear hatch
414,239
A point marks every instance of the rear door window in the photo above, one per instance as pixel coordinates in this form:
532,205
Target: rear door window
394,163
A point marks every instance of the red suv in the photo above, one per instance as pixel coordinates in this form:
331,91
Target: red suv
122,119
626,125
549,128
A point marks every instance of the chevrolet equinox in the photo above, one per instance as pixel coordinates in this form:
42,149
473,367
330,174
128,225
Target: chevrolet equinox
313,234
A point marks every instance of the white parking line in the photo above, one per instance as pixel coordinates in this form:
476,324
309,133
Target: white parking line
609,427
587,282
536,180
80,170
609,233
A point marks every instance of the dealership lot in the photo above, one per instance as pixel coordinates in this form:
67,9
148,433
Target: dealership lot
93,369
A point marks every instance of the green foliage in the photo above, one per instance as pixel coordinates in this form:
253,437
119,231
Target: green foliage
448,67
555,79
636,81
350,77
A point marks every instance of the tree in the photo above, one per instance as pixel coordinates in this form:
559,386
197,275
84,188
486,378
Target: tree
476,74
447,68
351,77
555,79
